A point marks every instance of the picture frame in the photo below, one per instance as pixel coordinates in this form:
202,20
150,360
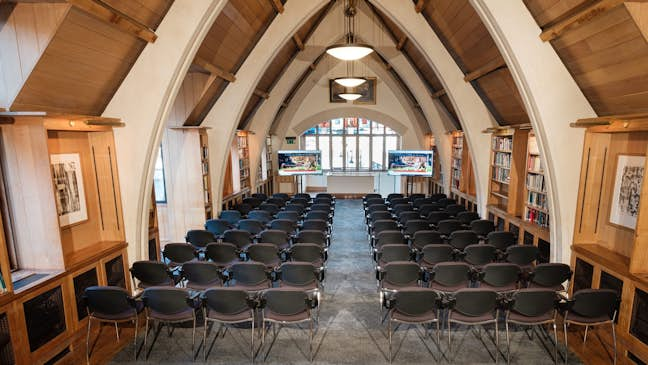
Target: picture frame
335,90
69,190
626,193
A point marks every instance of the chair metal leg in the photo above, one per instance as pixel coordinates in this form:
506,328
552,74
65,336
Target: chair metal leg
389,332
438,332
585,336
145,338
117,331
252,339
615,342
566,344
496,340
449,340
135,338
193,339
310,339
205,335
508,342
88,341
555,343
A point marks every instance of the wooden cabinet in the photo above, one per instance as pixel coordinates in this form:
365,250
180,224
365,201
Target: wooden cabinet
536,204
462,180
243,160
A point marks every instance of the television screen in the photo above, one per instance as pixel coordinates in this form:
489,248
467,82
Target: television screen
300,163
411,163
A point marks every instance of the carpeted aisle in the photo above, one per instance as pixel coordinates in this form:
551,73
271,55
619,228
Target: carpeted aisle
349,331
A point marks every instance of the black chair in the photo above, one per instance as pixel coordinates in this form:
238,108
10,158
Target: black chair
415,196
200,238
283,196
311,236
426,237
270,208
400,201
482,227
551,276
301,201
176,254
417,203
532,307
413,306
296,274
222,254
276,201
389,237
434,254
438,196
462,238
375,202
323,207
379,215
295,208
260,215
231,216
394,276
218,226
416,225
244,209
479,255
501,240
447,226
249,275
285,225
303,196
252,226
454,209
279,238
169,306
425,210
467,217
435,217
371,196
308,252
388,253
325,195
288,215
501,277
592,307
522,255
287,306
318,214
315,225
382,225
202,275
151,273
237,237
473,307
110,304
260,196
253,201
408,215
448,277
227,306
265,253
400,208
446,201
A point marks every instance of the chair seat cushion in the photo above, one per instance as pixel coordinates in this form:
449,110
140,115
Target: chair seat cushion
309,286
245,315
125,315
575,317
185,315
448,289
519,318
459,317
204,286
252,287
422,318
499,289
297,317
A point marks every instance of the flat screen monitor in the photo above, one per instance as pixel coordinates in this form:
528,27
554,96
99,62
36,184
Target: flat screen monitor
410,163
300,163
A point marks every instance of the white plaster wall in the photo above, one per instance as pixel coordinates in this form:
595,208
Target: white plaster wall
552,100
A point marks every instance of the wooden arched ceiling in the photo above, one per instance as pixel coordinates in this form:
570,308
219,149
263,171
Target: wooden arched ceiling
232,37
70,57
466,38
280,63
604,45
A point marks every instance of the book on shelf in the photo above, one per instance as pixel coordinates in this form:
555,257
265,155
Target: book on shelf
537,200
502,143
533,146
502,159
535,182
205,152
537,217
3,285
501,174
534,163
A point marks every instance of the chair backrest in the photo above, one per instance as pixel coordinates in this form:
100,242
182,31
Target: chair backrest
238,237
299,209
500,274
275,236
413,197
479,255
322,207
402,273
301,201
415,302
416,225
222,254
427,208
389,237
454,209
523,255
400,201
276,201
593,303
406,216
201,272
166,300
311,236
463,238
253,201
447,226
374,201
265,253
178,253
108,300
260,215
289,215
315,225
285,225
372,196
249,273
231,216
438,196
244,208
270,208
380,215
227,301
324,195
217,226
399,208
307,252
482,226
285,301
151,273
435,217
317,214
533,302
426,237
252,226
261,196
434,254
377,208
446,201
323,200
283,196
384,225
305,196
296,273
417,203
391,252
550,275
501,239
393,196
200,238
475,302
467,217
451,274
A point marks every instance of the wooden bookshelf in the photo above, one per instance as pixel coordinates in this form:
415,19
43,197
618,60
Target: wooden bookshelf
457,157
243,159
536,208
508,155
206,176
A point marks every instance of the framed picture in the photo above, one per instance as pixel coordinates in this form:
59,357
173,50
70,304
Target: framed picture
368,91
335,90
627,190
68,188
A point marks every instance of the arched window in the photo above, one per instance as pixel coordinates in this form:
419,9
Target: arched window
351,144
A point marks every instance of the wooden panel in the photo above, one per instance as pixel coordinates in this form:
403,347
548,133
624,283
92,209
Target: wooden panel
81,68
445,100
503,94
547,12
279,64
639,261
148,12
29,186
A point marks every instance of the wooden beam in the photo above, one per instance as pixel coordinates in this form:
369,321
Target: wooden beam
205,103
580,18
262,94
438,94
489,67
113,16
277,5
312,66
298,42
420,4
214,70
401,43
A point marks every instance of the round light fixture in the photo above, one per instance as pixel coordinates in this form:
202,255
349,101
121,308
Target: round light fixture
350,81
349,51
350,96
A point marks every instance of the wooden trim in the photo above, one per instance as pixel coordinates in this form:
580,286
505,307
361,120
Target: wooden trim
437,94
277,5
580,18
214,70
113,16
401,43
298,42
614,123
262,94
486,69
420,4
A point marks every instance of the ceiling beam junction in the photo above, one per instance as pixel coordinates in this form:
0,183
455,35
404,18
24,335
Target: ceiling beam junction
591,12
486,69
214,70
110,15
277,5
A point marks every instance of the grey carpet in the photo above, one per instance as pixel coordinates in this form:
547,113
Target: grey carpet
349,330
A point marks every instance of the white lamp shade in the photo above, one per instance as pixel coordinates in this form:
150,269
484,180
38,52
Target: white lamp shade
349,52
350,81
350,96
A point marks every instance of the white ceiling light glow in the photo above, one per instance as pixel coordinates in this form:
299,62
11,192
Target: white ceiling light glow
350,81
350,96
350,50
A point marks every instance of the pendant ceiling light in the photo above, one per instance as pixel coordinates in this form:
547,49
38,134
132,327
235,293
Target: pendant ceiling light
350,50
350,81
351,96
